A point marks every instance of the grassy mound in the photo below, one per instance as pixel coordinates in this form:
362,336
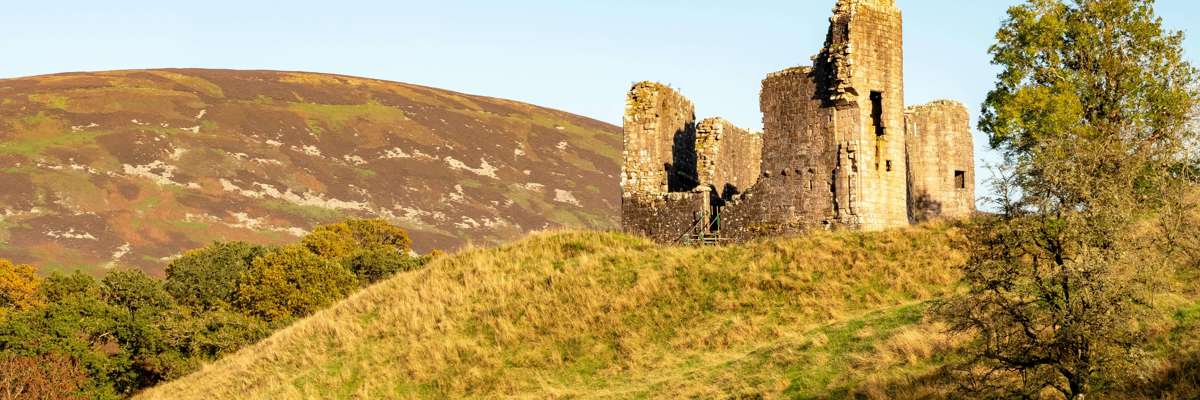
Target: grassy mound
599,315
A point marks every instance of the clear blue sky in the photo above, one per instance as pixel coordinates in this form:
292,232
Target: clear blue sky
575,55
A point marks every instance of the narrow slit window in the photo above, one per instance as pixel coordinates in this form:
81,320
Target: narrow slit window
877,112
960,179
889,165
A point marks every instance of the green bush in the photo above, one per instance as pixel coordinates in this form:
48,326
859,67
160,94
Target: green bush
291,282
207,278
58,287
77,323
375,264
133,290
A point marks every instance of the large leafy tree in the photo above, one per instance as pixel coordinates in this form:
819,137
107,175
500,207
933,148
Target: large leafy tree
143,296
1091,113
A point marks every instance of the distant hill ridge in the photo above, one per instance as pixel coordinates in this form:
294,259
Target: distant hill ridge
102,169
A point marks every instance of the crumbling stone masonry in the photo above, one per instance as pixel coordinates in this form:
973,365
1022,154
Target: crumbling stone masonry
659,174
727,158
660,135
838,148
941,180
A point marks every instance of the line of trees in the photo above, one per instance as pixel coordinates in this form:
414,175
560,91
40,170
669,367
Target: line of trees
73,336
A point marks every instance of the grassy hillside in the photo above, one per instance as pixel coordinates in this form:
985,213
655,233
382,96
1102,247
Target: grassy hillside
130,168
596,315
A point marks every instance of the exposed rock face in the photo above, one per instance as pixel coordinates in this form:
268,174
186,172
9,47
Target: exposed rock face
941,177
130,168
833,151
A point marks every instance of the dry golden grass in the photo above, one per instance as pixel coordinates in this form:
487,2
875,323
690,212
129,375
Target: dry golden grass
595,315
609,316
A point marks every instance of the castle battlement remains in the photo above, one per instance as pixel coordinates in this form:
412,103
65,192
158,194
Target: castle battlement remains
839,149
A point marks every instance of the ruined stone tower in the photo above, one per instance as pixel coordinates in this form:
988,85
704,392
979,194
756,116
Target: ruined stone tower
836,150
865,57
941,160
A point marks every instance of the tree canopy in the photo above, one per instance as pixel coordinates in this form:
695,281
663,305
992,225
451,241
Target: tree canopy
1092,113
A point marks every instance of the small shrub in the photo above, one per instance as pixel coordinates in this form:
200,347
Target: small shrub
376,264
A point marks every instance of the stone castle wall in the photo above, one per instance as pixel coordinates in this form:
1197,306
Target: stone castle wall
797,189
665,218
727,157
675,170
660,133
941,175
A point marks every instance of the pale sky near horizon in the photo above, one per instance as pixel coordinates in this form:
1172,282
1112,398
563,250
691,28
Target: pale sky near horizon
574,55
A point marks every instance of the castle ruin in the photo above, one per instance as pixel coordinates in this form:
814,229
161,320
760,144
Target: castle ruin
839,149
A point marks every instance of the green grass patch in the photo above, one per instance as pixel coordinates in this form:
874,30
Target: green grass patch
309,213
825,366
34,146
1188,315
147,203
195,83
50,100
322,118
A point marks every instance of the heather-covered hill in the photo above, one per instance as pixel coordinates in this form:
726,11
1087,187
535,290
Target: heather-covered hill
133,167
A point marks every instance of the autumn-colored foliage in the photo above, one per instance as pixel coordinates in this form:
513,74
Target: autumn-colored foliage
49,377
342,239
292,282
18,287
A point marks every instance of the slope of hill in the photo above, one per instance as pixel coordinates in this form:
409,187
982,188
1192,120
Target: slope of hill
133,167
594,315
